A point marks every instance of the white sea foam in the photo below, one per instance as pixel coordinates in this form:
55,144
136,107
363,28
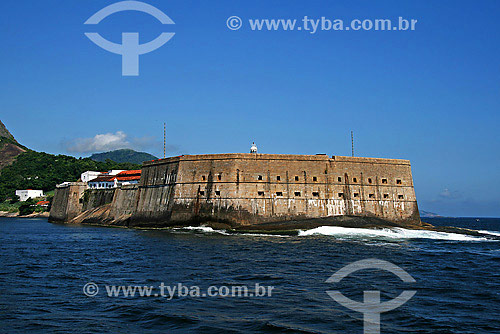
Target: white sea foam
356,233
208,229
490,233
203,229
386,233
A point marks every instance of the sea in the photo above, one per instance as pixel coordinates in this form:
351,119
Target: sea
58,278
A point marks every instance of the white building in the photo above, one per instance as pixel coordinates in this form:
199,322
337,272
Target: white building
115,171
106,181
89,175
24,195
101,180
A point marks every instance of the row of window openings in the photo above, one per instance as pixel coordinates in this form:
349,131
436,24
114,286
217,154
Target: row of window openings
217,193
315,179
261,193
339,179
260,178
340,195
101,185
315,194
219,177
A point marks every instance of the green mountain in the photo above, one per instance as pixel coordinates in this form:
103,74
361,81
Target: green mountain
9,147
22,168
38,170
123,155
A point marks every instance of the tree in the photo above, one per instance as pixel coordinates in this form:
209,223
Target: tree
38,170
27,208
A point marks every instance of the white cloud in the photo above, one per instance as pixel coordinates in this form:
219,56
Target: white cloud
100,143
114,141
447,194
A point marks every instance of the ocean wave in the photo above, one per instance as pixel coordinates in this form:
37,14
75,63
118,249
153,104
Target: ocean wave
387,233
208,229
496,233
395,233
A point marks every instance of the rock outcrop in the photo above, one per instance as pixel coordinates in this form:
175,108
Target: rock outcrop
9,147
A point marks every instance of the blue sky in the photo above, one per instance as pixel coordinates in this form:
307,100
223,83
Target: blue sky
430,95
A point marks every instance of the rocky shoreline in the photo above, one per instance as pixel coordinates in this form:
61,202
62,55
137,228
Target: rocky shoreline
291,227
6,214
339,221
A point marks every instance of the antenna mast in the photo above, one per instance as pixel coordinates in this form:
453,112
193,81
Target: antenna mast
164,140
352,143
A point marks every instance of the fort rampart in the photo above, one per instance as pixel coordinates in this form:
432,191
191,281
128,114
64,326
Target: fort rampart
248,189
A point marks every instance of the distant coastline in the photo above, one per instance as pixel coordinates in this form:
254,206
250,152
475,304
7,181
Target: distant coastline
427,214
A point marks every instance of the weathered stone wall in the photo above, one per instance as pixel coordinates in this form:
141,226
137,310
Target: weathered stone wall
155,198
243,189
94,198
67,202
78,204
254,188
124,202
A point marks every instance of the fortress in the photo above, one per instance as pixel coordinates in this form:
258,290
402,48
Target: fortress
247,190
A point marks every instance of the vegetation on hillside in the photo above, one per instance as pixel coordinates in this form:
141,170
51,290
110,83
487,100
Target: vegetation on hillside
4,141
10,206
123,155
9,150
37,170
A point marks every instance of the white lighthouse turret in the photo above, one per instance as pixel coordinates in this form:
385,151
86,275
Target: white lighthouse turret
253,149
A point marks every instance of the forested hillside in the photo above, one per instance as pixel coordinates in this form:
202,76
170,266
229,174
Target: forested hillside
124,155
37,170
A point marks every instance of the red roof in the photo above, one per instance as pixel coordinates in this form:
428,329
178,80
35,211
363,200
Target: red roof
43,203
129,172
128,175
128,178
104,178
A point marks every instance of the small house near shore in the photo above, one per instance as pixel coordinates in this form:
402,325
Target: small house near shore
26,194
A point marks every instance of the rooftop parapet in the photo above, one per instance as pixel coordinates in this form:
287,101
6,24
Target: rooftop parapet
260,156
67,184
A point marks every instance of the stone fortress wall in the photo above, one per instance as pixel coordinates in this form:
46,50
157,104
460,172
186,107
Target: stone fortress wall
254,188
67,202
245,189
